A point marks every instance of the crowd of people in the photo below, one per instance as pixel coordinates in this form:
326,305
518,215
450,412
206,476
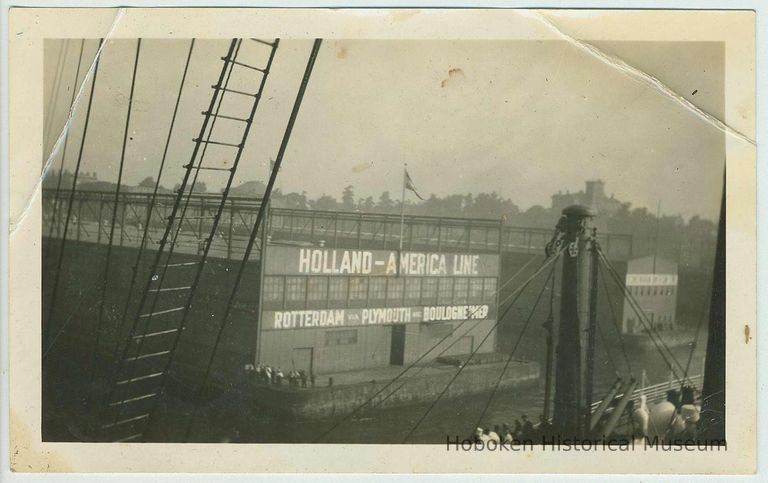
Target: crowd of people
522,430
265,374
675,418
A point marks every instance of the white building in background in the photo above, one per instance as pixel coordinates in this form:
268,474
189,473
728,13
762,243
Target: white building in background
652,281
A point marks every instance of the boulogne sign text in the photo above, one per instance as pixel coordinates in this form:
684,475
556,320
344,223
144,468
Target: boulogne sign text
308,319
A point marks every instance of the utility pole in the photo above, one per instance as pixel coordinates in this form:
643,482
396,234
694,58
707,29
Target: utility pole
569,367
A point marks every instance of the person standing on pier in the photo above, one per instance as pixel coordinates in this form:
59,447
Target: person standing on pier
527,427
303,377
494,435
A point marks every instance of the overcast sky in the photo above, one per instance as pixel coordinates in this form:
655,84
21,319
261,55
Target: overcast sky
523,118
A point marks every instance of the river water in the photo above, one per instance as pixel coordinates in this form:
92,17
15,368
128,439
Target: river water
227,415
231,418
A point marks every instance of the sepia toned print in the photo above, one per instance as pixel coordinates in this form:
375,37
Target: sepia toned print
459,245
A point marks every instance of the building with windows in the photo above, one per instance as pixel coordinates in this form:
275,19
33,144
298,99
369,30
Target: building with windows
652,282
329,310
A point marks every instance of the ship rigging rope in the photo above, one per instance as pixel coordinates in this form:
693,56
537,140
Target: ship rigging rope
702,315
53,97
79,304
233,56
549,326
218,96
614,320
515,293
550,278
67,128
549,261
455,341
659,344
199,161
234,47
607,349
62,245
153,200
225,75
116,202
259,218
673,416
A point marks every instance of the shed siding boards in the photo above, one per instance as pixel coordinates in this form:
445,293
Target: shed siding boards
653,284
426,337
372,348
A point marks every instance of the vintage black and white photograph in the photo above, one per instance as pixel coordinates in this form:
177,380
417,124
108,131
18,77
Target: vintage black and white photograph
466,242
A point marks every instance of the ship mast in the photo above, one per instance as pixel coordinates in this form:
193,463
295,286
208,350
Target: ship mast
570,361
713,393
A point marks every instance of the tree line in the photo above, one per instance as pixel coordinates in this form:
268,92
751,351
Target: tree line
637,221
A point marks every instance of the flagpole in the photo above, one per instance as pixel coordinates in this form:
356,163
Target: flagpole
402,210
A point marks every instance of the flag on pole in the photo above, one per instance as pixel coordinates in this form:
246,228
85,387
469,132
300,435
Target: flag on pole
409,185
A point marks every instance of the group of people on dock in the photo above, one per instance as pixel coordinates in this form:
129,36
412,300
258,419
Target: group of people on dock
265,374
675,418
519,431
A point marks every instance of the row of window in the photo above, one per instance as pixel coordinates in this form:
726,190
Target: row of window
644,291
299,292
